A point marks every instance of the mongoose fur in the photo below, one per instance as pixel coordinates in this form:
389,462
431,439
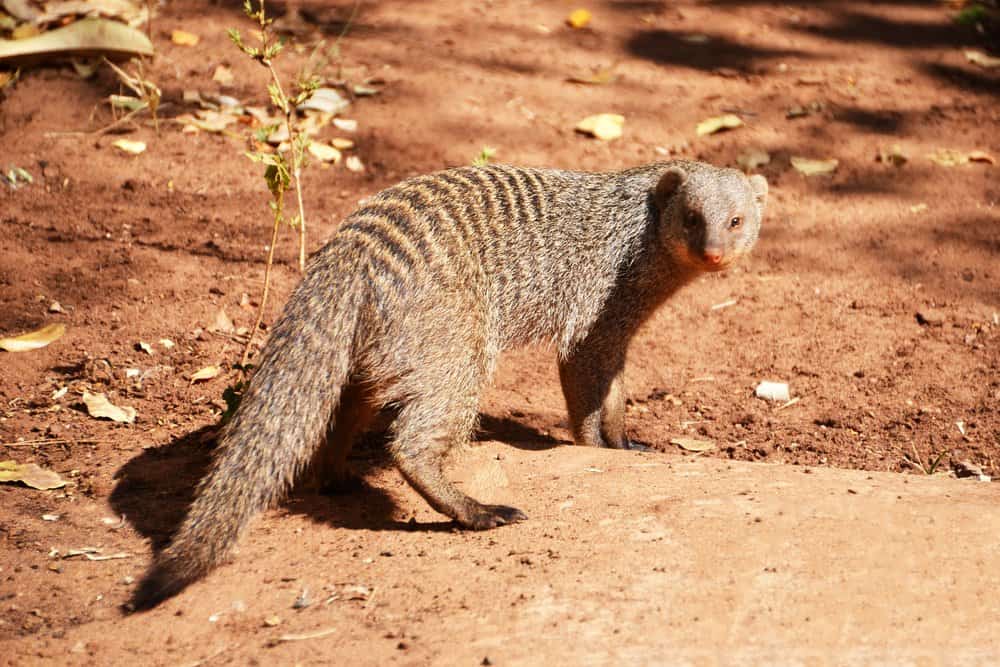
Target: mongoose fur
417,293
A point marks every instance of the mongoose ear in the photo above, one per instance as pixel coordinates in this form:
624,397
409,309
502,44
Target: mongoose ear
670,182
759,186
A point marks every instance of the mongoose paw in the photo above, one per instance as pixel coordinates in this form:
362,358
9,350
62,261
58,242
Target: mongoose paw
490,516
637,446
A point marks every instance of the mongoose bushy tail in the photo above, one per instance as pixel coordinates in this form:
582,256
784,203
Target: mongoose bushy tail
417,293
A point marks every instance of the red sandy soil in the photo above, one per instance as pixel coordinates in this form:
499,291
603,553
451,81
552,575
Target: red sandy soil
874,292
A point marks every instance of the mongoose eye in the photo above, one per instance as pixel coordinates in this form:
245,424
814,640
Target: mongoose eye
735,222
692,219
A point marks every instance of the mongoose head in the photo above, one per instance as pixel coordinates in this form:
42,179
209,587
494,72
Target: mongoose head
709,217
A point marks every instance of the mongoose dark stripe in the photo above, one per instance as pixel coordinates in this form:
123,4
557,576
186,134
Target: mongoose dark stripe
413,299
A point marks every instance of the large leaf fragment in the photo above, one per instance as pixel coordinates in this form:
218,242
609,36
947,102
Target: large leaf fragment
89,37
33,340
30,474
99,406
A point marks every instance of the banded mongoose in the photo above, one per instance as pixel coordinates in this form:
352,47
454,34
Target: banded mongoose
417,293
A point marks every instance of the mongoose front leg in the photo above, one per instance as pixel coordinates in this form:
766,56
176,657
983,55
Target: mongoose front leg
594,386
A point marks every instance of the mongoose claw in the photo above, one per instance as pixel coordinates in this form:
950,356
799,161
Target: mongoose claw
491,516
637,446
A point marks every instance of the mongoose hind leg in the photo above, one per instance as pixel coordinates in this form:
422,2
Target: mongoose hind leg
356,412
428,427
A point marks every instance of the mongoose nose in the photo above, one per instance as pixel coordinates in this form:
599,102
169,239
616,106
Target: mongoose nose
713,256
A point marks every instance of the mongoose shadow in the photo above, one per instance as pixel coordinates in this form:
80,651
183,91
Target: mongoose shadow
166,478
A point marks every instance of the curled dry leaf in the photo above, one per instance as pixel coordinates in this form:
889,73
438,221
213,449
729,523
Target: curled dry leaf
811,167
752,159
579,18
184,38
130,146
981,156
206,373
603,126
33,340
981,59
30,474
144,347
717,124
693,444
98,406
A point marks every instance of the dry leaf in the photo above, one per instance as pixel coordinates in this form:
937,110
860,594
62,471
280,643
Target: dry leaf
206,373
353,163
811,167
598,78
578,18
324,152
327,100
129,146
693,445
33,340
772,391
752,159
948,158
345,124
894,156
166,342
223,75
981,59
30,474
718,123
604,126
342,144
24,31
212,121
145,347
99,406
222,323
183,38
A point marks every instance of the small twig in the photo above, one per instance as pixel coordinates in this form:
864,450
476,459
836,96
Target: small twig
303,636
212,656
267,287
54,441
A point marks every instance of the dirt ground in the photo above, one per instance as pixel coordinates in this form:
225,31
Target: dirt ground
874,292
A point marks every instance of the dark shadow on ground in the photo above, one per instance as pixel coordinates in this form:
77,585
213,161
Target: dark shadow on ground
670,48
515,434
156,488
